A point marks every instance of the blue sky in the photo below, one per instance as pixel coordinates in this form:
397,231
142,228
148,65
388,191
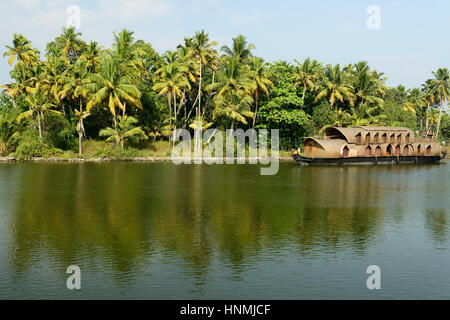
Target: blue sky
412,41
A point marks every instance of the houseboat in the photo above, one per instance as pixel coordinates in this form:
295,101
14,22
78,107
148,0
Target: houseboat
369,145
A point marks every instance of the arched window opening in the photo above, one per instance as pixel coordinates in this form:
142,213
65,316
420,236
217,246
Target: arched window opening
407,138
345,152
405,150
378,151
399,138
376,138
392,138
384,138
389,151
358,138
368,151
428,151
367,139
397,150
419,149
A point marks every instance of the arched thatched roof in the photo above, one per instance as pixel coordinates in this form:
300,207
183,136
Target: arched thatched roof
318,148
349,134
346,134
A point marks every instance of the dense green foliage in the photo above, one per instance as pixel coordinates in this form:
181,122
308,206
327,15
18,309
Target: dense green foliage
130,93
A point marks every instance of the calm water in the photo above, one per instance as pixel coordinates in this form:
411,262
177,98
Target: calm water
160,231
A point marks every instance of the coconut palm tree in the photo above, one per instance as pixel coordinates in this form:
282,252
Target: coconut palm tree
240,49
233,77
335,86
38,106
76,88
206,57
307,74
91,56
126,129
365,87
173,81
235,106
441,88
70,43
260,82
112,86
129,52
21,50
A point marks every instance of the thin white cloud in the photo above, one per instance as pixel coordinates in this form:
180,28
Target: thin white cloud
133,9
26,4
237,18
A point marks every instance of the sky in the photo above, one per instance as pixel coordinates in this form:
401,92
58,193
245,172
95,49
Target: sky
411,38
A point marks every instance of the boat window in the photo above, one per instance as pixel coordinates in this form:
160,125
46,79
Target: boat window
397,150
392,138
407,138
367,138
345,152
378,151
389,150
428,151
405,150
368,151
375,138
399,138
358,138
419,149
384,137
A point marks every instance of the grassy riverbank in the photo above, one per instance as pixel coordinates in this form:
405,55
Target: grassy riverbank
94,150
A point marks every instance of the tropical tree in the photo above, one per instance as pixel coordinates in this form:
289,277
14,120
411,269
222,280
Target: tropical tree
38,106
367,88
260,82
91,56
235,106
173,81
206,57
76,87
70,43
112,86
9,129
308,75
126,129
441,88
240,49
335,86
233,77
21,50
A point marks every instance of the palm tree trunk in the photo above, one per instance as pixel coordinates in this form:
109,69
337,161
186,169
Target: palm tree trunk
256,108
200,91
39,125
175,115
115,126
426,119
303,96
439,119
169,98
80,129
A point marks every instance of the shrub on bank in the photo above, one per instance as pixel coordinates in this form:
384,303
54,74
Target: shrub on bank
34,149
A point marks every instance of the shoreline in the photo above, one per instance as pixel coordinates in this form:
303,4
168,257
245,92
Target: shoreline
135,159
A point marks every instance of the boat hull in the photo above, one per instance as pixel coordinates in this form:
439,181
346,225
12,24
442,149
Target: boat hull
367,160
